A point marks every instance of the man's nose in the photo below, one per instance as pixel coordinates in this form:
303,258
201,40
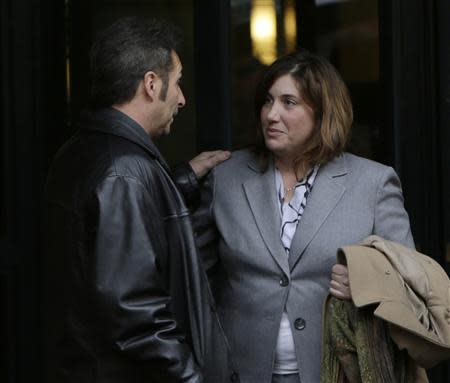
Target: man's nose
181,99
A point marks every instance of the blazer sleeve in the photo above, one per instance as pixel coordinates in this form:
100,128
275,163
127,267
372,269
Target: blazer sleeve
128,288
391,218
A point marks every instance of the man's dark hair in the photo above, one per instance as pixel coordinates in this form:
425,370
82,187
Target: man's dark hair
123,52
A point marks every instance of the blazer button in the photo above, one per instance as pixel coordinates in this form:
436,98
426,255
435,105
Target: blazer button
234,377
299,324
284,281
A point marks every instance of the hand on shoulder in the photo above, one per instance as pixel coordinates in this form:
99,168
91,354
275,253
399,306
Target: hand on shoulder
205,161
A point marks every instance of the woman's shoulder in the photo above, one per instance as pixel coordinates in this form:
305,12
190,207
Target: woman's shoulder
239,160
361,164
360,169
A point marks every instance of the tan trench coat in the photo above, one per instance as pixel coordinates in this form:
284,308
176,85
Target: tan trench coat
411,293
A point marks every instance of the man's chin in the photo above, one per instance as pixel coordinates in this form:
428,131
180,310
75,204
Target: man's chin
167,129
164,130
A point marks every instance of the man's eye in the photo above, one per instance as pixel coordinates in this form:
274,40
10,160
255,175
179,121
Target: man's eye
268,100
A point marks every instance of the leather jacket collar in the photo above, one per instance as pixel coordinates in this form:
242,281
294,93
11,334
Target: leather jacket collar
113,121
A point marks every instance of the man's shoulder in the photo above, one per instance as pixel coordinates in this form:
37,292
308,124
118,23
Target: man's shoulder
92,157
119,156
127,158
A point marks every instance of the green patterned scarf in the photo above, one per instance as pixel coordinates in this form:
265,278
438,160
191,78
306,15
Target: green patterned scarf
357,348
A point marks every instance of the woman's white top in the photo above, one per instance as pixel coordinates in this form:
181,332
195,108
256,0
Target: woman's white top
291,212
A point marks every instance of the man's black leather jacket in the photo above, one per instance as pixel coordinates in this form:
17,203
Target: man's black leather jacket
126,296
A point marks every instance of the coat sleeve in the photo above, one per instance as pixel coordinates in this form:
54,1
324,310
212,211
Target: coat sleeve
199,196
206,233
188,184
130,292
391,218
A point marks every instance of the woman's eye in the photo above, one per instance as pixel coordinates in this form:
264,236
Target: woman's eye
267,100
290,102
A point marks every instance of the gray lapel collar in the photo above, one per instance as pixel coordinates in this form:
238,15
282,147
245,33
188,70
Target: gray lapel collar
327,191
261,196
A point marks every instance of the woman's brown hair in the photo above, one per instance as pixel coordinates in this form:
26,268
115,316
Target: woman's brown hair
325,92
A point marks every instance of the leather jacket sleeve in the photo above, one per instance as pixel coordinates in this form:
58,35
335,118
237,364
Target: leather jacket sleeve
206,233
187,183
129,290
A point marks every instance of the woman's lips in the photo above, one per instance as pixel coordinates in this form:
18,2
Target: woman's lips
271,132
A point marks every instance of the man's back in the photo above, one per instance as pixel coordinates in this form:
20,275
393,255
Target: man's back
111,301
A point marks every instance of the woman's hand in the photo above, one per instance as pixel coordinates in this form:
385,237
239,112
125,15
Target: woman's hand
339,284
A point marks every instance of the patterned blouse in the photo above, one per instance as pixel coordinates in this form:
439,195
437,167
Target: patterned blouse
291,212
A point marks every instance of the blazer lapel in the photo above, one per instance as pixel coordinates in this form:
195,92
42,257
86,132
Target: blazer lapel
262,198
327,191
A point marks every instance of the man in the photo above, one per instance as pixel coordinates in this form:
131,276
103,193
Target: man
126,298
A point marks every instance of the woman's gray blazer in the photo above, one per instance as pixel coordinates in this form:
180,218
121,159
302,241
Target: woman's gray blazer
253,278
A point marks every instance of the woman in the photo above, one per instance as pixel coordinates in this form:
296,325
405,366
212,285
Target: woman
281,211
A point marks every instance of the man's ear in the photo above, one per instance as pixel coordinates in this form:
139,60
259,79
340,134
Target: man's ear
151,84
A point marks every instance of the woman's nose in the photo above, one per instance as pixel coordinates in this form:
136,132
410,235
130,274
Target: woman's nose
273,114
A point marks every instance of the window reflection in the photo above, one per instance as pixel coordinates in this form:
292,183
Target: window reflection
290,25
263,30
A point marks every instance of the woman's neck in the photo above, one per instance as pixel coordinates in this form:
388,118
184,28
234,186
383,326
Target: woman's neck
287,169
288,175
284,165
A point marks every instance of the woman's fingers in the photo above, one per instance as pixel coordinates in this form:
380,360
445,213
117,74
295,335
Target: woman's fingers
339,284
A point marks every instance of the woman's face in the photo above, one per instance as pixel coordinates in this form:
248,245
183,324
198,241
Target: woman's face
287,121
